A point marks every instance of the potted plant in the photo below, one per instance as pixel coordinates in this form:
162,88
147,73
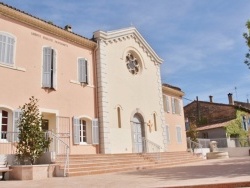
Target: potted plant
31,143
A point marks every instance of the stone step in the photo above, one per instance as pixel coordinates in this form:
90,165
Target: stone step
105,163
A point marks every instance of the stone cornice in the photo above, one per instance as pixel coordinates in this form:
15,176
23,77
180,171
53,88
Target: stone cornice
115,36
42,25
171,91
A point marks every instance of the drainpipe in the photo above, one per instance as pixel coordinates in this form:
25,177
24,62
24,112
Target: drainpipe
96,91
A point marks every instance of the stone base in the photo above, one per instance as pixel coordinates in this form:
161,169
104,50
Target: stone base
30,172
217,155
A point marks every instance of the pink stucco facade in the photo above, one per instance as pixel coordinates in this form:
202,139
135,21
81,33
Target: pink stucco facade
23,78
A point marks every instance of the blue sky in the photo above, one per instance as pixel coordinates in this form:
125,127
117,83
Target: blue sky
200,40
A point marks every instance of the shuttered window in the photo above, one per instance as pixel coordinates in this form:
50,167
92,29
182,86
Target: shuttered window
95,131
167,134
7,44
82,71
16,117
166,103
176,106
3,124
178,134
82,131
49,68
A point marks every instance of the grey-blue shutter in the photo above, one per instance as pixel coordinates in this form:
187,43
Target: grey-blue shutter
47,52
167,101
173,105
10,50
180,106
95,131
54,69
82,71
2,48
76,130
16,119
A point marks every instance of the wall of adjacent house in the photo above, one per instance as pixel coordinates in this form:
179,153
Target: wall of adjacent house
173,122
213,133
23,79
204,113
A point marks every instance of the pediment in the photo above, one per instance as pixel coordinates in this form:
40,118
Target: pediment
120,35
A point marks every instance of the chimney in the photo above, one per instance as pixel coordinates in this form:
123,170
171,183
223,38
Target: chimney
68,28
230,98
211,98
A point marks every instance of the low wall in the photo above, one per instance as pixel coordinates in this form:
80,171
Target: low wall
236,152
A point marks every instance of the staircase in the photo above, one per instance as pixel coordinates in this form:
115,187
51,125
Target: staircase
80,165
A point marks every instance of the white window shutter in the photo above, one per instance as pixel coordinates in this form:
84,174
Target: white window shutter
47,53
10,50
76,130
173,105
180,107
16,120
178,132
167,103
95,131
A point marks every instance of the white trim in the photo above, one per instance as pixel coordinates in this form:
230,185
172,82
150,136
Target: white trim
79,83
85,117
7,107
47,110
13,67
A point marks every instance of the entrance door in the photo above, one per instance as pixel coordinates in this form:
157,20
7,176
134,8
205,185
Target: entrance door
137,134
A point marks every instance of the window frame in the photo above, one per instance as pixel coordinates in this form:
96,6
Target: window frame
119,117
178,135
176,106
91,130
6,50
49,68
5,124
167,134
82,73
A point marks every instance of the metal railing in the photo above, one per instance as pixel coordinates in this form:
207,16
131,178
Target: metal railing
152,148
191,145
227,142
60,148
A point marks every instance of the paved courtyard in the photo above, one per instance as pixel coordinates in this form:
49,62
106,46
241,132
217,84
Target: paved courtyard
214,171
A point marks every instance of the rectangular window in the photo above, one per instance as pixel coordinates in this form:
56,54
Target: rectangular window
178,134
155,125
7,49
49,68
167,134
166,103
82,71
3,124
176,106
85,132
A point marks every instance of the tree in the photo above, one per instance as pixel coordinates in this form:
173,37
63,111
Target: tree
192,132
32,141
247,37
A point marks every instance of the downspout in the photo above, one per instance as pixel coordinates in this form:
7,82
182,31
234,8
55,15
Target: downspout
96,90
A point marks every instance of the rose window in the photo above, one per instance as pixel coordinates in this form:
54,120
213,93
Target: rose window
132,64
